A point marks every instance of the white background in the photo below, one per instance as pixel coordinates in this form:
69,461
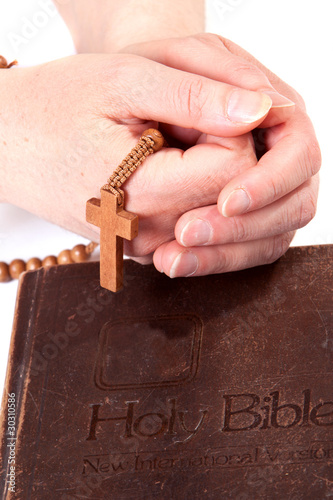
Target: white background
293,38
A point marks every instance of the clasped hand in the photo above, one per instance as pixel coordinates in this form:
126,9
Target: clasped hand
208,207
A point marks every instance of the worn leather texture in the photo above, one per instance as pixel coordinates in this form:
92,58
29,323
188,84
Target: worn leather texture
215,387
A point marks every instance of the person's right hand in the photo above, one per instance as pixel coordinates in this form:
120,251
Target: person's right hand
67,124
258,211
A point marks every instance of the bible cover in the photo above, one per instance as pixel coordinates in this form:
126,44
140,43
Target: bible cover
213,387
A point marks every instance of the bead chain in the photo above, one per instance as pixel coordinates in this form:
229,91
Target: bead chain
127,167
80,253
151,141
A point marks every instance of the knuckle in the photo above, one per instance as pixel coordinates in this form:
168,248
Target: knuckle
247,69
175,47
118,71
178,51
277,246
191,97
238,228
208,38
246,73
141,249
307,208
242,145
296,97
310,158
125,93
192,41
246,159
227,44
222,263
277,185
315,157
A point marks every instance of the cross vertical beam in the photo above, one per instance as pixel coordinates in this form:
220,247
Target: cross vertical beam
115,224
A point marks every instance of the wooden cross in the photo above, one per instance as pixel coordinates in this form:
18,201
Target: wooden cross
115,224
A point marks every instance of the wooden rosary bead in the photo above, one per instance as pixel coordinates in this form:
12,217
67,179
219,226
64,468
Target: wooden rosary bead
79,254
65,257
50,261
4,272
156,136
33,264
16,267
4,64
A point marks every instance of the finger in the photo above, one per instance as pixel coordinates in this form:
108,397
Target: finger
192,137
147,90
208,55
293,157
173,182
144,261
206,226
175,261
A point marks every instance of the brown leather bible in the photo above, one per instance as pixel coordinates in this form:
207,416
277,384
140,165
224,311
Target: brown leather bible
215,387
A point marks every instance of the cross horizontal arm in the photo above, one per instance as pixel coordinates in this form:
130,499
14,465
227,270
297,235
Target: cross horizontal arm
127,225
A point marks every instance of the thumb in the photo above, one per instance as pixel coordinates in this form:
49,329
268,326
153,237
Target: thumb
148,90
218,59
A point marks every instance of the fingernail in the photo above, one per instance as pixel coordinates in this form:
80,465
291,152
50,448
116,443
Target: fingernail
245,106
196,232
279,100
185,264
237,203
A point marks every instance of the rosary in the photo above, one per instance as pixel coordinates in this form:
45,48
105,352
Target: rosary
107,213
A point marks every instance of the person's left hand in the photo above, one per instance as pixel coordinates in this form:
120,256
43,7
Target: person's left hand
257,212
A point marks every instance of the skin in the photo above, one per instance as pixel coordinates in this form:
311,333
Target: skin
282,188
115,25
183,84
58,152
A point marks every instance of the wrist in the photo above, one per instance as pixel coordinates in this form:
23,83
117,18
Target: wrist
6,82
115,25
161,22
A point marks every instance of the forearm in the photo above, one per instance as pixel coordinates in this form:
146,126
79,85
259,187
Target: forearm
110,25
